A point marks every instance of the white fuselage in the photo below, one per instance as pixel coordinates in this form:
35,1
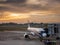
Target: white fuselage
40,32
32,29
37,31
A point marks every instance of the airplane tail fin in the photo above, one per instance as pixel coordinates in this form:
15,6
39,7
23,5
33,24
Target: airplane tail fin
28,23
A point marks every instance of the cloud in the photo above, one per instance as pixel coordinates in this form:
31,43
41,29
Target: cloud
43,18
12,1
32,5
57,0
41,9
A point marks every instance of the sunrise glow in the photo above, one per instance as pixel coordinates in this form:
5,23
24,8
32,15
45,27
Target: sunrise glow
14,14
33,10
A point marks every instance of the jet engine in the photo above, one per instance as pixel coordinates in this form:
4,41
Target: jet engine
26,35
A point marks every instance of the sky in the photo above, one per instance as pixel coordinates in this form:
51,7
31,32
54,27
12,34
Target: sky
20,11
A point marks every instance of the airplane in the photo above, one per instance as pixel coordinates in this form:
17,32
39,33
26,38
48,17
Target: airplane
40,32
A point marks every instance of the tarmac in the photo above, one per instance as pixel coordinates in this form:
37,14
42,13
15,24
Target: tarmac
16,38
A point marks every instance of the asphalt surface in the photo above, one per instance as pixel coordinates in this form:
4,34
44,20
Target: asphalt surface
16,38
20,42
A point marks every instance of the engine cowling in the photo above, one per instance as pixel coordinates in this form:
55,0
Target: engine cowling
32,33
26,35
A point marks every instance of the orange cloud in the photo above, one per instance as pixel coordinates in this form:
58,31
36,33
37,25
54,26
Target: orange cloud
12,16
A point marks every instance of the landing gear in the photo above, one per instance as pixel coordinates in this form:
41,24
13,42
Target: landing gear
41,38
